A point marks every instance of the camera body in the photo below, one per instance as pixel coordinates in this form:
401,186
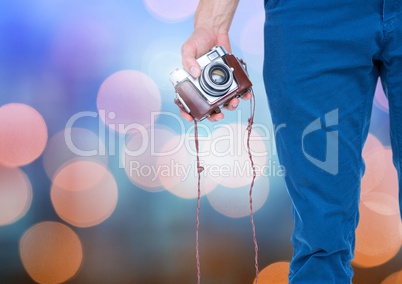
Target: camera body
223,77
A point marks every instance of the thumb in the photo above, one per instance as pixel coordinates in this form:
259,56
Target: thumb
189,60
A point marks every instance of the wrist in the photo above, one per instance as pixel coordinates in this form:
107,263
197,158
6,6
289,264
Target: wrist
215,15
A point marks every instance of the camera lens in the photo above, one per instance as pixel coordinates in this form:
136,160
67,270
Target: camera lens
218,75
216,79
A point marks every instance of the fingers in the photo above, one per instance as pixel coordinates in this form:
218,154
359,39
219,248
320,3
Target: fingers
186,116
212,118
247,96
189,55
233,104
235,101
215,117
198,44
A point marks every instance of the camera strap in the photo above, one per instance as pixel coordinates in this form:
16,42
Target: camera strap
254,235
197,218
199,171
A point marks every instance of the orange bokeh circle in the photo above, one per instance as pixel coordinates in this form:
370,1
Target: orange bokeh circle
276,273
51,252
376,168
395,278
378,235
84,193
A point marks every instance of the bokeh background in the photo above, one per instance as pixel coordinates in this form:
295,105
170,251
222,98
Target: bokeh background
86,119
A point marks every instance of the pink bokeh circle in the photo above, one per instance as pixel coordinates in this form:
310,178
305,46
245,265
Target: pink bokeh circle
171,11
128,101
235,202
180,174
15,195
371,142
227,151
23,135
141,155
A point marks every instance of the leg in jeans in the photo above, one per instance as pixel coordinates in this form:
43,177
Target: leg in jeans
320,75
390,59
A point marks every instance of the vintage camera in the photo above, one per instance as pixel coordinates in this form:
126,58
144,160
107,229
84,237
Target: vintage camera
223,77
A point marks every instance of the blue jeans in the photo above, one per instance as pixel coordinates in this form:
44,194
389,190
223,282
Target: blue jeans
322,62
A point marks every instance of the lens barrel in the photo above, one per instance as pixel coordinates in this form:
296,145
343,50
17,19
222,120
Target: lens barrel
216,79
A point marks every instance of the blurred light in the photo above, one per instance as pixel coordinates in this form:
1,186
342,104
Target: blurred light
15,195
380,100
171,11
276,273
376,168
84,142
389,184
141,155
253,32
179,174
228,155
128,101
381,203
84,193
235,202
246,10
378,235
81,48
160,67
50,252
371,142
23,135
395,278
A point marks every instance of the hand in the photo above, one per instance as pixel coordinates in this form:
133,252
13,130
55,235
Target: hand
199,43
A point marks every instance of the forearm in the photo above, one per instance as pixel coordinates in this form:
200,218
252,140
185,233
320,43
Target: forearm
215,14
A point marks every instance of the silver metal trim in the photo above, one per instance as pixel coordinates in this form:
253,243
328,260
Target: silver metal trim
186,108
